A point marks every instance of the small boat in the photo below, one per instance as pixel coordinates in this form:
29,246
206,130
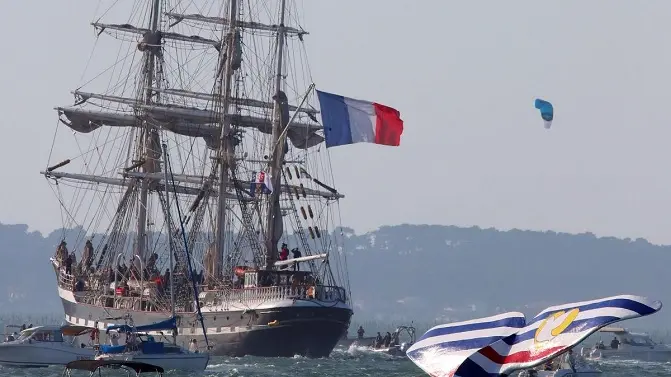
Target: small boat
41,346
396,347
143,348
93,366
629,346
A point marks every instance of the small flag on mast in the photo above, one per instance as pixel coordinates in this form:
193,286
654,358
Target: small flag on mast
261,184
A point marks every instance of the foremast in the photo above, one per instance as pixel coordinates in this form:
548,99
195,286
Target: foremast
274,224
225,156
151,147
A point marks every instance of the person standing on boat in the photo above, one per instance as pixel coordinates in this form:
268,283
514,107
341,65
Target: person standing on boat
378,340
62,252
360,332
73,261
296,254
87,258
68,264
95,334
615,343
387,339
284,253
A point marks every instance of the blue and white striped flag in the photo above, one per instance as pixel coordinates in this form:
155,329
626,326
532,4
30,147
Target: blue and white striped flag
549,334
442,349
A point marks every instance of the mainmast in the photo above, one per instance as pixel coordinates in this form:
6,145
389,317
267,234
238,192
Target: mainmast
150,152
274,216
224,155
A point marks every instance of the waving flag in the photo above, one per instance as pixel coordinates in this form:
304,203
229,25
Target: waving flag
549,334
442,349
349,121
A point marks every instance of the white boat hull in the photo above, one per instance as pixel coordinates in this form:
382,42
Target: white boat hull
38,354
179,361
635,353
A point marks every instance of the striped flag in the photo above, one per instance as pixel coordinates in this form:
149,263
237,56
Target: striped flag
442,349
549,334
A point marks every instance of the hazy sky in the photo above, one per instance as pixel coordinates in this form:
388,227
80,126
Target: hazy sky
464,75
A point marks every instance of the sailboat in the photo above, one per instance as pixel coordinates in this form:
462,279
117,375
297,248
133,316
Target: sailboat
166,355
226,83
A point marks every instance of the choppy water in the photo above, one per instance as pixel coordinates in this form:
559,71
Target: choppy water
343,362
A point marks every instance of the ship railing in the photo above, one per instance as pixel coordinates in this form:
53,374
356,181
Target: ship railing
282,292
65,280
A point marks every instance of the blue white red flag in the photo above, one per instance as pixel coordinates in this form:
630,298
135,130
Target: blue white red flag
552,332
348,121
261,184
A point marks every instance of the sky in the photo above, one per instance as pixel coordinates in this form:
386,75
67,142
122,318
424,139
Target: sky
464,76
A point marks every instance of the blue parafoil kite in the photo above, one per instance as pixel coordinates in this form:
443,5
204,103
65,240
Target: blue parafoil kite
547,111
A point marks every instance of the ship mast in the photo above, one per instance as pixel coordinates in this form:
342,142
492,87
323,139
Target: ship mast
151,142
224,154
274,215
170,240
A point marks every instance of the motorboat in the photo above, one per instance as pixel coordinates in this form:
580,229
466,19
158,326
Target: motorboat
629,346
142,347
95,367
402,338
41,346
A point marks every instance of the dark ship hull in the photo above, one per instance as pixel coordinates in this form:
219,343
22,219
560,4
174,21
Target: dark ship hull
280,327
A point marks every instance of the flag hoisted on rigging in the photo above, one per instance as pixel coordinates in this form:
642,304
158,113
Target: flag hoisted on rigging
261,184
349,121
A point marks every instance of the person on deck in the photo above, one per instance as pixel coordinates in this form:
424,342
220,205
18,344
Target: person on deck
166,277
614,344
284,253
387,339
62,252
296,254
87,257
360,332
68,264
73,257
95,334
378,340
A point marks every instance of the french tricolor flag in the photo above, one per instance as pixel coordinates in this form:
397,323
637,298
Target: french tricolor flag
348,121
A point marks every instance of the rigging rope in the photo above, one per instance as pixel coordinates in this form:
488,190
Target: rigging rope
186,246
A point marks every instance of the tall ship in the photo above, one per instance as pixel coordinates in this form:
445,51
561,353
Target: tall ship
196,129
